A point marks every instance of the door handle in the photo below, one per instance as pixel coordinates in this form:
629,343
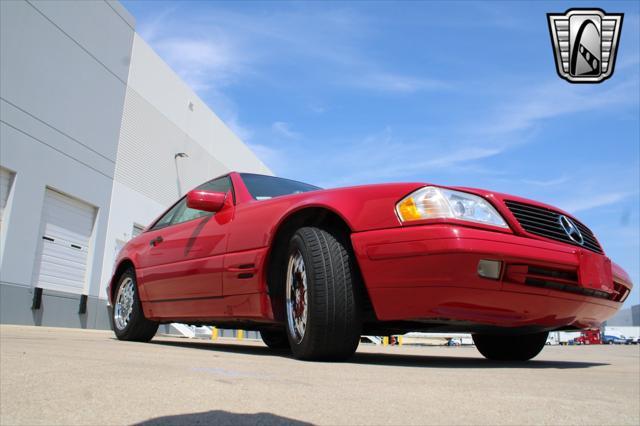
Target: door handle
155,241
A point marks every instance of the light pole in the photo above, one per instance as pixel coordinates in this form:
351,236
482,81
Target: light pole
175,161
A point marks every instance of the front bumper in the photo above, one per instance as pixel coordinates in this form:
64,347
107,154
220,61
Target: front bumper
430,273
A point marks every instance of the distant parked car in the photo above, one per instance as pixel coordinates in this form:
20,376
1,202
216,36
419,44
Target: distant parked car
613,340
627,340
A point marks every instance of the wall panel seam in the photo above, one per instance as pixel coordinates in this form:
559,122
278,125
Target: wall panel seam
76,42
57,130
57,150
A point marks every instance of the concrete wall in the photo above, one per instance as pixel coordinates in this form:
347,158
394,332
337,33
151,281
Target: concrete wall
62,90
89,109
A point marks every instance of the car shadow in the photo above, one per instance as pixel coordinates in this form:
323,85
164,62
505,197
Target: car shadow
220,417
221,347
433,361
389,359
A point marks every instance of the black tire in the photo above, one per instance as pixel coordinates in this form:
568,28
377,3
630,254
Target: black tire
333,322
138,328
510,348
275,339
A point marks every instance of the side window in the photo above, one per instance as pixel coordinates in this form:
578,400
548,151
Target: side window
166,219
219,185
136,230
184,213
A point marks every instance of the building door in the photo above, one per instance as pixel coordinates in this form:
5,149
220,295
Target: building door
67,225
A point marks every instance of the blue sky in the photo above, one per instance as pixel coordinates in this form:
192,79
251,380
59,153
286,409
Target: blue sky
462,93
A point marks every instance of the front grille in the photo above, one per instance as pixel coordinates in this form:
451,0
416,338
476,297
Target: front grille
545,223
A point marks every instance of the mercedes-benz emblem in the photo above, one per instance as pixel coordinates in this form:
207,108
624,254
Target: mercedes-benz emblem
571,229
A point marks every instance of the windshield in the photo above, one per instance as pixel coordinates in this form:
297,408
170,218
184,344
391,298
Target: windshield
263,187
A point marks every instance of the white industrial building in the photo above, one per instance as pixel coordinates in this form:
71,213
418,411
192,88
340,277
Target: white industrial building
98,136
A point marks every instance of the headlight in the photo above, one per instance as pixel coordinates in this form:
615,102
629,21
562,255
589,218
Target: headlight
437,203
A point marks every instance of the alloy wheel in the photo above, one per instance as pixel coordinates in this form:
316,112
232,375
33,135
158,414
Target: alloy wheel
124,304
297,300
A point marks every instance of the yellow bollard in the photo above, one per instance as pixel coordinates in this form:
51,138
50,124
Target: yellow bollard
239,334
214,333
399,340
385,340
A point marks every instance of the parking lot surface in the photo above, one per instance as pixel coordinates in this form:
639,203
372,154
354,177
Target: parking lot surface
70,376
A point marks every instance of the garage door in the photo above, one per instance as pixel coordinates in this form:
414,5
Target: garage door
67,227
6,178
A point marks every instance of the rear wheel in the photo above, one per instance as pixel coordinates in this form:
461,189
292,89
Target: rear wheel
275,339
510,348
128,320
321,299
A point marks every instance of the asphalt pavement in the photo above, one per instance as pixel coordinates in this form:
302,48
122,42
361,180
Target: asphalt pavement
70,376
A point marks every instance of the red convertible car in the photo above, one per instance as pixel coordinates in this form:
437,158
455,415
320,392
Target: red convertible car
314,269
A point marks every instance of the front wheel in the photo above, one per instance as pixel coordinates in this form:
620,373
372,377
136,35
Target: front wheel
128,320
510,348
321,297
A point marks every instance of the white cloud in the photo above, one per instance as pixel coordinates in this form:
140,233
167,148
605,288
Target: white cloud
203,64
397,83
385,157
150,28
548,182
317,109
241,131
551,100
272,158
220,45
502,128
461,155
283,129
221,48
207,59
595,200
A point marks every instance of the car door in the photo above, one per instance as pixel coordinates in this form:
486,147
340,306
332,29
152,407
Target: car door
183,256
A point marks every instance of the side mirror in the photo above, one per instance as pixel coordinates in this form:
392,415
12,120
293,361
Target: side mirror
205,200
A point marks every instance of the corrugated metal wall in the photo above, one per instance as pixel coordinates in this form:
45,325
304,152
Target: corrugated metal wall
146,155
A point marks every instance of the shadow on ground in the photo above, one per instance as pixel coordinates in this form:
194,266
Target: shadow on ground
430,361
219,417
387,359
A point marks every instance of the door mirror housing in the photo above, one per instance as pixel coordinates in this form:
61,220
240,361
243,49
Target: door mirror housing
207,201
